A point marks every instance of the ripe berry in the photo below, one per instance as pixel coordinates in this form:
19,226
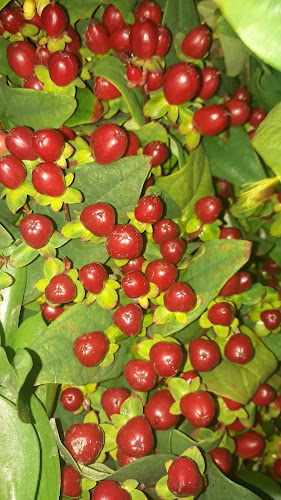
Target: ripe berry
19,143
239,112
21,58
108,143
184,478
270,267
164,40
48,179
71,398
109,490
125,242
42,55
157,411
204,354
63,67
208,209
211,119
97,38
91,348
134,74
104,90
236,426
112,18
189,376
98,218
224,188
257,116
53,20
231,286
133,265
222,458
158,151
140,374
249,445
120,39
271,318
154,80
135,284
243,94
70,481
264,395
144,38
112,400
93,277
166,358
50,313
12,20
162,273
84,442
165,228
239,349
230,233
75,39
148,10
179,298
181,83
135,438
60,289
210,82
124,459
172,249
277,467
221,314
128,319
133,144
36,230
245,281
33,83
149,209
48,144
12,171
198,408
232,405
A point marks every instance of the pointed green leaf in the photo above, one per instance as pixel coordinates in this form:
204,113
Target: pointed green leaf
132,407
15,199
23,255
53,267
72,195
5,279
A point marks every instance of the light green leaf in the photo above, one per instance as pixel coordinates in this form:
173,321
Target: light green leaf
23,255
266,140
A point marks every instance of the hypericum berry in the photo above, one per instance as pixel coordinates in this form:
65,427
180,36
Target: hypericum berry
197,42
125,242
12,171
63,67
112,18
236,426
108,143
269,267
93,277
181,83
98,218
222,458
277,467
71,398
19,143
54,20
97,38
148,9
133,265
162,273
48,179
91,348
134,74
109,490
164,40
135,438
33,83
239,112
172,249
264,395
135,284
243,94
166,358
144,38
104,90
184,478
224,188
239,349
257,116
154,80
128,319
12,20
70,481
84,442
179,298
245,281
140,374
124,459
221,314
232,405
204,354
67,132
157,411
75,39
133,144
231,286
158,151
21,58
210,82
198,408
208,209
60,289
249,445
112,400
48,144
120,39
210,120
50,313
36,230
271,318
230,233
149,209
189,376
165,228
42,55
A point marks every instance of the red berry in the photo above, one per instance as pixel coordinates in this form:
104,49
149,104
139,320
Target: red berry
158,151
135,438
249,445
181,83
197,42
257,116
99,218
71,398
162,273
198,408
239,112
112,400
33,83
48,179
179,298
128,319
19,143
21,58
230,233
239,349
84,442
135,284
63,67
144,38
50,313
53,20
204,354
277,467
184,478
208,209
97,38
134,74
93,277
75,39
165,228
149,209
231,286
271,318
211,119
120,39
264,395
133,144
12,171
124,459
232,405
112,18
104,90
154,80
70,481
243,94
245,281
221,314
222,458
133,265
164,40
125,242
269,266
157,411
109,490
140,374
108,143
172,249
42,55
236,426
60,289
12,20
210,82
166,358
48,144
147,9
91,348
189,376
224,188
36,230
68,133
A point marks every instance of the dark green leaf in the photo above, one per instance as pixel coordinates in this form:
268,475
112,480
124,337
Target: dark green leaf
84,111
273,342
11,304
81,253
266,140
180,442
28,331
234,51
147,470
264,84
260,483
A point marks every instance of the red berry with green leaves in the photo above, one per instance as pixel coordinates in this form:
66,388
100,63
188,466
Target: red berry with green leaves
48,179
164,40
243,94
91,348
232,405
128,319
36,230
162,273
70,481
264,395
231,286
112,18
84,442
180,298
221,314
158,151
48,144
189,376
93,277
108,143
257,116
112,400
181,83
97,38
239,112
51,313
133,265
19,143
71,398
104,90
135,438
210,82
148,9
277,467
144,38
60,289
12,20
198,408
140,375
149,209
184,478
124,242
208,209
157,411
211,119
166,358
165,228
271,318
133,144
230,233
54,20
249,445
99,218
63,67
239,349
204,354
197,42
120,39
124,459
135,284
154,80
245,281
33,83
12,171
172,249
222,458
109,490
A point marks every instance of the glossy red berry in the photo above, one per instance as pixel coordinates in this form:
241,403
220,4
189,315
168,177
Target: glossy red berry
33,83
109,490
12,171
112,400
157,411
149,209
249,445
71,398
60,289
63,67
133,265
224,188
264,395
140,374
93,277
204,354
198,408
48,179
239,112
148,9
222,458
184,478
277,467
243,94
67,132
271,318
232,405
154,80
84,442
158,151
221,314
135,284
270,267
75,39
165,228
133,144
181,83
239,349
211,119
12,20
257,116
125,242
189,376
172,249
164,40
166,358
108,143
120,39
162,273
144,38
197,42
36,230
19,143
135,438
104,90
124,459
70,481
209,82
134,74
21,58
50,313
112,18
179,298
231,286
230,233
128,319
91,348
245,281
42,55
236,426
48,144
99,218
97,38
54,20
208,209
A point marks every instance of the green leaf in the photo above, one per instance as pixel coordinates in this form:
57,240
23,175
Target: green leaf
147,470
86,101
13,377
132,407
20,455
5,238
23,255
29,330
12,302
262,34
226,160
264,84
260,483
53,267
152,130
266,140
15,199
34,108
234,51
84,11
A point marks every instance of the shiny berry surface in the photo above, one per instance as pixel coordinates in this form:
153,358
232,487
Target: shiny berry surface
208,209
165,228
157,411
84,442
265,395
211,119
54,20
158,151
135,438
230,233
125,242
209,82
149,209
60,289
63,68
128,319
204,354
249,445
239,349
221,314
113,398
12,171
48,144
148,9
172,249
12,19
135,284
104,89
179,298
144,38
166,358
98,218
19,143
71,398
231,286
109,490
140,374
70,481
271,318
184,478
91,348
198,408
108,143
97,38
222,458
48,179
93,277
239,112
36,230
112,18
181,83
162,273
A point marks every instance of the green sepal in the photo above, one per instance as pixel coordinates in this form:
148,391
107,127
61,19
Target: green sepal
179,387
43,200
192,140
56,204
130,485
58,239
23,255
27,187
195,454
110,433
41,284
156,107
221,331
80,292
42,73
112,284
90,299
54,45
69,179
193,225
109,357
15,199
87,484
52,267
48,251
75,229
162,316
118,420
67,152
173,113
210,231
227,442
5,279
73,274
181,317
91,418
132,407
261,330
108,298
72,195
275,227
120,262
175,408
29,30
204,322
162,489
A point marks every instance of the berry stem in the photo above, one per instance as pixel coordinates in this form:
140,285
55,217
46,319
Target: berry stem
66,211
26,209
